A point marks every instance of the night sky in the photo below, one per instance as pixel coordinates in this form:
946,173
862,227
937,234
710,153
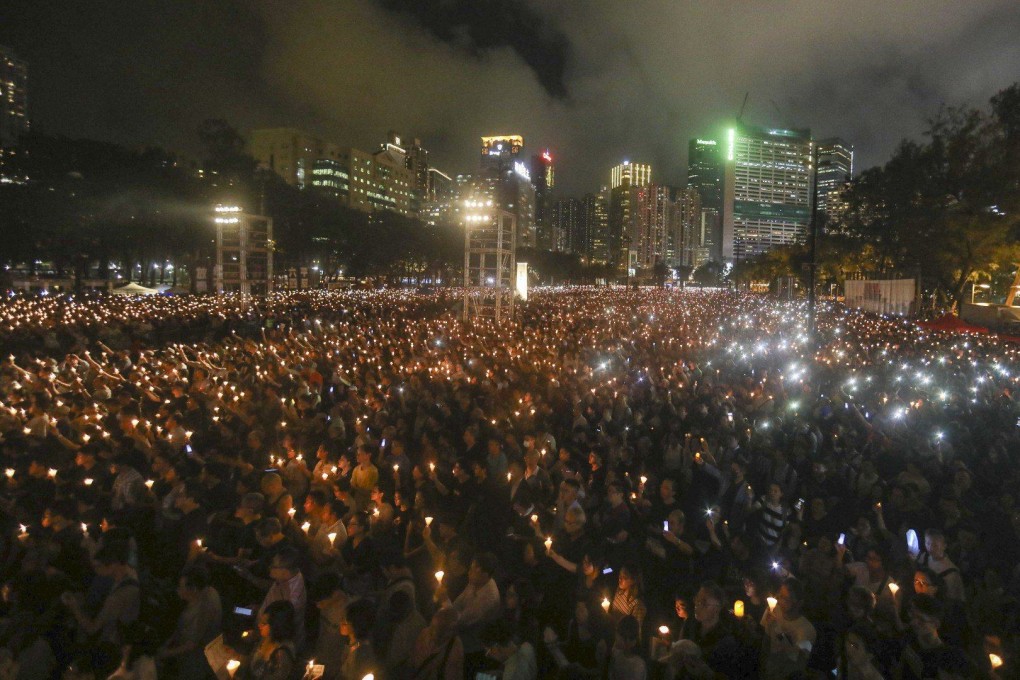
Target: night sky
596,81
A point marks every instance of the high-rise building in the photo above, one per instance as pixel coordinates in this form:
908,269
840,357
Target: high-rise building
290,153
566,218
684,235
543,179
634,174
506,179
366,181
440,186
767,189
415,159
705,173
14,120
500,153
594,239
625,180
654,214
835,168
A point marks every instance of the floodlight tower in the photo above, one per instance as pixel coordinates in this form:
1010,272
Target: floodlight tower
490,250
244,252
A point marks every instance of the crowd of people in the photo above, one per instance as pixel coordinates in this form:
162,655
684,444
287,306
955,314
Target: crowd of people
619,484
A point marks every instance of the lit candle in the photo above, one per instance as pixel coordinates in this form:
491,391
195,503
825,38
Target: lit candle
87,481
428,521
232,666
772,603
9,472
306,527
432,467
995,660
439,575
738,609
548,543
149,483
893,588
606,604
534,518
292,512
332,537
663,630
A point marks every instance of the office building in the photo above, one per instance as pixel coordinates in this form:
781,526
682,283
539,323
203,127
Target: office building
290,153
365,181
500,153
705,173
766,190
14,120
685,234
505,177
594,226
543,178
634,174
566,219
653,223
835,168
625,181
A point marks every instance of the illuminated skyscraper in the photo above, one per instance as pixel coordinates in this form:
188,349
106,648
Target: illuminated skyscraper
506,180
500,153
625,181
835,168
634,174
705,172
13,98
767,189
543,178
594,239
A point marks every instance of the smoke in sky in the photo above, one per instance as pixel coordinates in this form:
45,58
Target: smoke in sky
596,81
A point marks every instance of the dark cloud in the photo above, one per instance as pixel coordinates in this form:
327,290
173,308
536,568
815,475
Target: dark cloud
596,81
477,26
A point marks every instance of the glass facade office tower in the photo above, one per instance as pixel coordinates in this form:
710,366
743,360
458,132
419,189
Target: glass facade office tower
767,189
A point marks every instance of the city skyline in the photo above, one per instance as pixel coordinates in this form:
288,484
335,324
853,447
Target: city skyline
592,83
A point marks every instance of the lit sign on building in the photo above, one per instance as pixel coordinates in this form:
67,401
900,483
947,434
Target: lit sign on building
731,135
706,142
497,144
522,170
547,156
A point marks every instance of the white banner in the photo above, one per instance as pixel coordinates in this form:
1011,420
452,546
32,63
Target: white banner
522,281
894,296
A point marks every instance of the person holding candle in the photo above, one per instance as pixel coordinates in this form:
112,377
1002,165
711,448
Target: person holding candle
275,657
789,636
714,631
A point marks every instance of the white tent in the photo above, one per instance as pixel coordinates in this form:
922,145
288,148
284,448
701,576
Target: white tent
134,289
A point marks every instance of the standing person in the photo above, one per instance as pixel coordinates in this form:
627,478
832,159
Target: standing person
274,658
715,634
517,659
935,558
122,603
438,653
364,477
288,584
624,661
183,654
773,517
789,637
359,618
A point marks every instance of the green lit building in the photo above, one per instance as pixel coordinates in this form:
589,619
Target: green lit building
766,190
